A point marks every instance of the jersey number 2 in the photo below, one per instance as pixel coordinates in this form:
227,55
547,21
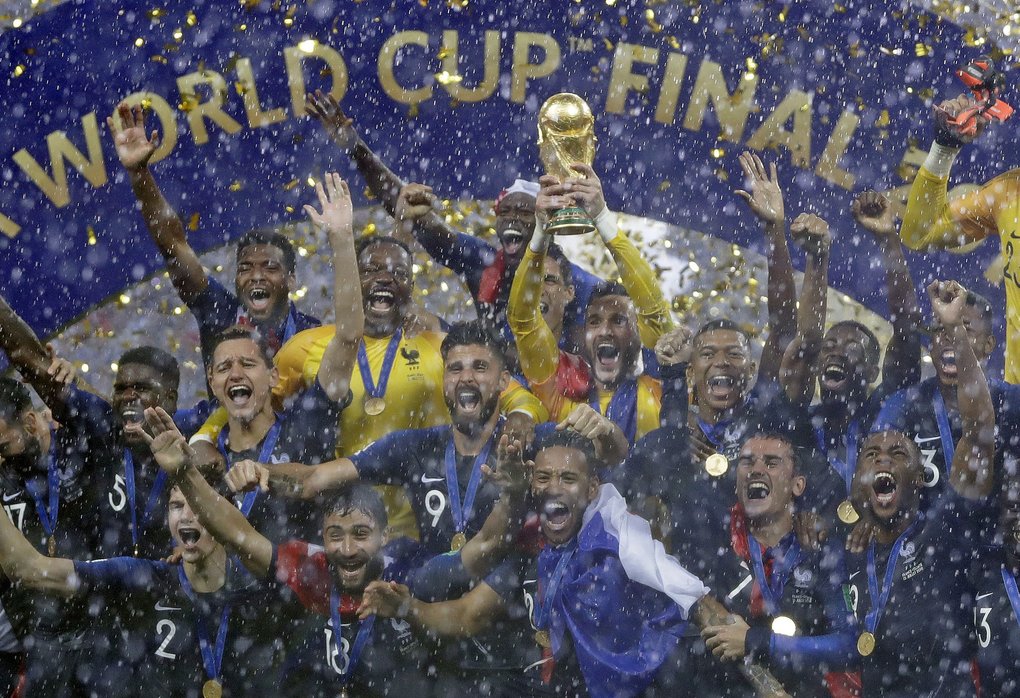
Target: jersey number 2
171,630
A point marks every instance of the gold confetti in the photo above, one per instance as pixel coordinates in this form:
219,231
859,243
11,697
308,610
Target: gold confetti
446,78
92,235
291,184
650,21
193,221
192,19
883,119
236,185
19,70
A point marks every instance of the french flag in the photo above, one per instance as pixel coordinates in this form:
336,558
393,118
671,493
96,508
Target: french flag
623,600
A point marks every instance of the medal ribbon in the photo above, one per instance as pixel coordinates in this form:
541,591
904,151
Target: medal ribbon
945,430
265,453
1011,591
47,515
772,590
461,514
289,327
846,467
212,656
711,431
364,633
547,594
373,389
150,505
880,598
622,408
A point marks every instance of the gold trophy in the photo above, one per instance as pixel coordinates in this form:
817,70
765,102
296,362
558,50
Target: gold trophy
566,135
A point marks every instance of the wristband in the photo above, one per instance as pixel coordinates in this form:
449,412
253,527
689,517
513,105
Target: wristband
940,160
606,222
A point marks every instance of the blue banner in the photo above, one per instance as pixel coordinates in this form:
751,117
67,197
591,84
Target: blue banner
448,93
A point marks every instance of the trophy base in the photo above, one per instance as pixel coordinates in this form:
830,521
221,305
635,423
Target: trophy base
570,221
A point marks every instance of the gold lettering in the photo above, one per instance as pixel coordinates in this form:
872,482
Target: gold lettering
622,80
676,68
388,58
250,93
828,165
8,227
796,105
731,110
294,56
167,121
490,78
211,109
92,168
523,69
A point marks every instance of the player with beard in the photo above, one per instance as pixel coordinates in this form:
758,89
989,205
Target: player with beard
789,602
487,271
265,259
909,587
932,222
193,625
441,468
612,319
241,375
371,656
607,604
399,381
929,412
849,360
997,600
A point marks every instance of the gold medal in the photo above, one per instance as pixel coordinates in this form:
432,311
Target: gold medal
51,546
459,539
846,512
866,644
716,464
542,638
212,689
374,406
343,692
784,625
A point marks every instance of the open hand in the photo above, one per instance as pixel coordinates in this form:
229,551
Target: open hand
385,599
337,215
765,196
510,471
167,443
133,149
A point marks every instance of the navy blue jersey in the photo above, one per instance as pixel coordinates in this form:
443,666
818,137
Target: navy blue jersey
913,412
924,636
416,460
996,625
767,409
393,661
216,309
835,444
470,256
307,433
165,639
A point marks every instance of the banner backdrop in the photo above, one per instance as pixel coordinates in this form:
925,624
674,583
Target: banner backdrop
448,92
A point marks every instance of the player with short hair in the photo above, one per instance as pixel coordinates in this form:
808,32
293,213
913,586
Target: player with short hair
618,319
909,587
487,270
194,629
848,362
264,276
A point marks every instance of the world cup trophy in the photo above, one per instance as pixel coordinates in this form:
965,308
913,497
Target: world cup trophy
566,135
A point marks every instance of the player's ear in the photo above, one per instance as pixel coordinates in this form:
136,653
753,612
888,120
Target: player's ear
799,485
274,377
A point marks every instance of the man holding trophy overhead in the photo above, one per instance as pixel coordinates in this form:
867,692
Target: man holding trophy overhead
619,319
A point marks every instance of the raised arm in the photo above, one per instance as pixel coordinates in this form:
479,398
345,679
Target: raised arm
971,473
219,516
32,359
341,353
673,354
433,231
902,364
23,564
766,201
636,274
537,346
135,149
812,235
